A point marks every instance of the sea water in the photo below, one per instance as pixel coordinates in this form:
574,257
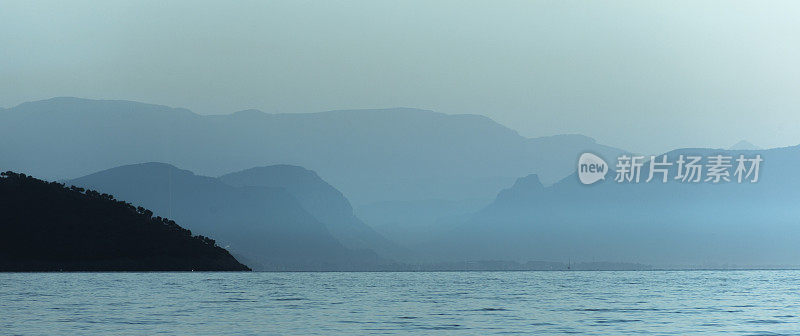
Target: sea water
445,303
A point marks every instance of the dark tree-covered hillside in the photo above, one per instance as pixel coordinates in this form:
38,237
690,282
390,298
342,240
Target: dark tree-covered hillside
46,226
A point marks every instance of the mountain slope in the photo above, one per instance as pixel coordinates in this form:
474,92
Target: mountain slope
267,226
321,200
48,227
748,224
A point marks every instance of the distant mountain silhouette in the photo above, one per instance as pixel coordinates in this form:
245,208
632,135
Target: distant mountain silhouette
396,154
45,226
267,226
321,200
688,224
405,161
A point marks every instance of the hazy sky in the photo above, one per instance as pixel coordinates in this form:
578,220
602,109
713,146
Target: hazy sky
646,76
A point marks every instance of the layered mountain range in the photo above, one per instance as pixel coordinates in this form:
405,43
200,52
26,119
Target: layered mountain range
370,155
404,169
374,189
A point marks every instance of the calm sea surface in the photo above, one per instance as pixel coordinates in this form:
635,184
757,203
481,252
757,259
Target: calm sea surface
446,303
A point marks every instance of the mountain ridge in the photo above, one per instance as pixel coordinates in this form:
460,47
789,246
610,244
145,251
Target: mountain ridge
458,151
399,155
